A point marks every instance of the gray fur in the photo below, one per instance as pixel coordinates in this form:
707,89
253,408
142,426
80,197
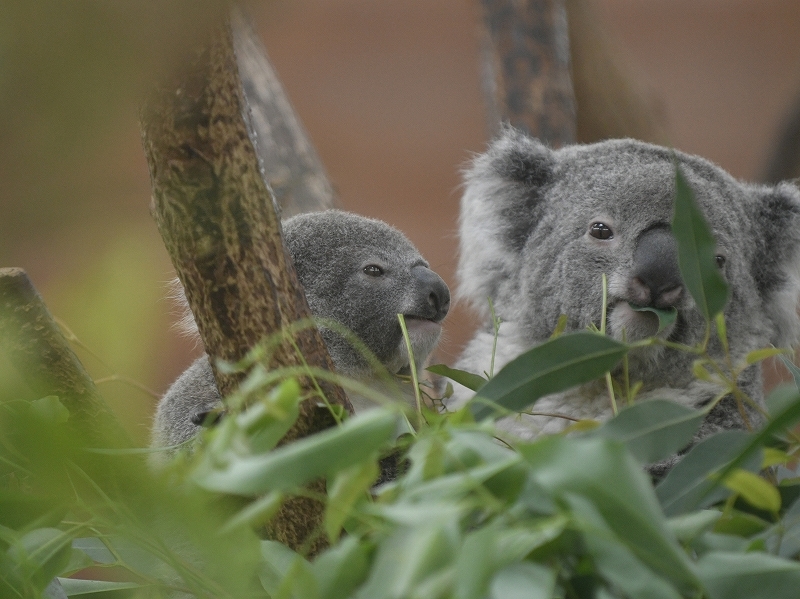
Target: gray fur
330,251
525,243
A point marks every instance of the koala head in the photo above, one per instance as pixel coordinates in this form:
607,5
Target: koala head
362,273
539,227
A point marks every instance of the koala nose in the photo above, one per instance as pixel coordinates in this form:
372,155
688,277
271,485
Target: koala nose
656,278
433,291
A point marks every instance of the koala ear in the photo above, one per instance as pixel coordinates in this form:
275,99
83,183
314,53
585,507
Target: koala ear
501,204
776,264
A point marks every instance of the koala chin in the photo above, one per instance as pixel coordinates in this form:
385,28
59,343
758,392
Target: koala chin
539,227
357,272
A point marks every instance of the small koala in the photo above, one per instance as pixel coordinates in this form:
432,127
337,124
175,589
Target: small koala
356,271
539,228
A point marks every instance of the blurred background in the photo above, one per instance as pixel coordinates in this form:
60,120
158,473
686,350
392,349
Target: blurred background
389,93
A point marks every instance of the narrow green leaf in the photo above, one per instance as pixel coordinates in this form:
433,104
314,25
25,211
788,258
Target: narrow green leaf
689,526
781,420
87,588
348,487
342,568
306,459
471,381
750,575
685,486
604,473
762,354
665,317
696,251
792,368
652,430
754,490
523,580
556,365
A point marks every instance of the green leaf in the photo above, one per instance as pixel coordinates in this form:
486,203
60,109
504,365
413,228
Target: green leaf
754,489
614,559
40,556
342,568
686,486
524,580
471,381
289,466
50,409
604,473
748,576
348,487
689,526
665,317
792,368
786,416
762,354
696,251
90,588
556,365
652,430
408,556
279,564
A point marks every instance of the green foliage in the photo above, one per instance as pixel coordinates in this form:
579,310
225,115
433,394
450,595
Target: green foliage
567,516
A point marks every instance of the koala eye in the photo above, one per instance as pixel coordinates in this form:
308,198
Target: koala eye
720,260
373,270
601,231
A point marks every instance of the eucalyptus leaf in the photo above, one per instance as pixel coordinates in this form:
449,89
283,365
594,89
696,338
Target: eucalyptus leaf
754,490
749,575
792,368
697,251
98,588
665,317
652,430
471,381
342,568
308,458
603,472
523,580
686,487
556,365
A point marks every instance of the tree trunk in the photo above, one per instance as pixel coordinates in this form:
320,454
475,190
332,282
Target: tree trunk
38,350
221,227
526,76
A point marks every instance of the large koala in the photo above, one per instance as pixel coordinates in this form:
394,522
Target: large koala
539,227
356,271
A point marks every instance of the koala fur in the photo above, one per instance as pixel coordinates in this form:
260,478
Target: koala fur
357,271
527,243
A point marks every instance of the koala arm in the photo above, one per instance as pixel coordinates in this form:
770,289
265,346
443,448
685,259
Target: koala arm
194,392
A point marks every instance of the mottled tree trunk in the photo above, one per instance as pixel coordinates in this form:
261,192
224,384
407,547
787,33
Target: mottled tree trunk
37,348
528,82
221,227
526,77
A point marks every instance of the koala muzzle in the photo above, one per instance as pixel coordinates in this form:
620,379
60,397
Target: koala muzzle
655,279
431,295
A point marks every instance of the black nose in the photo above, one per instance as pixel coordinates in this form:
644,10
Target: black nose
656,278
433,291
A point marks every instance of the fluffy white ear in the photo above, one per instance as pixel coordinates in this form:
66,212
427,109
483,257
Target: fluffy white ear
500,205
776,264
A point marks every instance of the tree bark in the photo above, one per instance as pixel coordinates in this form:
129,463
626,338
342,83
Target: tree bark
291,165
526,76
221,227
38,350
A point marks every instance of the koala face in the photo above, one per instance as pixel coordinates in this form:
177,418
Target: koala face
540,227
362,273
